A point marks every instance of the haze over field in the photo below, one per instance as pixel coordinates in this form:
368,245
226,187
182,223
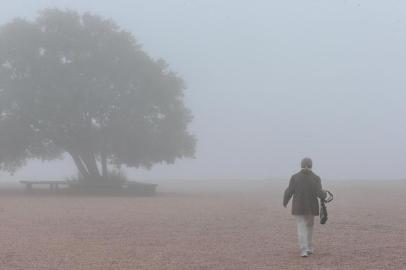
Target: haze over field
248,88
270,82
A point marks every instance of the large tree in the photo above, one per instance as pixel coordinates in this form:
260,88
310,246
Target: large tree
78,84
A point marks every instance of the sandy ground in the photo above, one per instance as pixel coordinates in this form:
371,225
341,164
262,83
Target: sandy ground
202,225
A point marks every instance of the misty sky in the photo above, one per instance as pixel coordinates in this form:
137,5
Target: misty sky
272,81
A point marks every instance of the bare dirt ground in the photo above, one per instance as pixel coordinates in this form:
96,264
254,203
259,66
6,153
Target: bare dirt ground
202,225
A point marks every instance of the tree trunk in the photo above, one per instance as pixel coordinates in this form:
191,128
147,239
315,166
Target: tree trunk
90,162
87,166
104,165
79,164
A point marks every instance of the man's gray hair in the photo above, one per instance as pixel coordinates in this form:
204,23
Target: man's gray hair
307,163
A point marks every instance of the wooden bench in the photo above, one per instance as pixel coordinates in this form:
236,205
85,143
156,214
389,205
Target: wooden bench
53,184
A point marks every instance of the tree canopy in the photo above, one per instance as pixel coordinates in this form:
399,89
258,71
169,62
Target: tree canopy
78,84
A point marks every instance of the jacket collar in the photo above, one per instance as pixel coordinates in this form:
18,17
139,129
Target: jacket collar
306,171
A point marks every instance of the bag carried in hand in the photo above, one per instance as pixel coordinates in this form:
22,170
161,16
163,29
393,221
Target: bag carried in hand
323,208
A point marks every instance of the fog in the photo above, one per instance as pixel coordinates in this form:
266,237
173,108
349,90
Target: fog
269,82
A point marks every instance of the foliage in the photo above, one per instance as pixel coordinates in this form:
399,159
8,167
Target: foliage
78,84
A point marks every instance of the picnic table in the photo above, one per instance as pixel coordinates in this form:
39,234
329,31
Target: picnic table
53,184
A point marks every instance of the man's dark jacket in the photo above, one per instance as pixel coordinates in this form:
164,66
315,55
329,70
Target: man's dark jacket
305,187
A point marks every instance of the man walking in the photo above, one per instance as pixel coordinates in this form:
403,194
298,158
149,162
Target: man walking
305,187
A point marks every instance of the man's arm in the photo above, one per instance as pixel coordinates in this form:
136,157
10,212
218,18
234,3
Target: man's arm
288,192
319,190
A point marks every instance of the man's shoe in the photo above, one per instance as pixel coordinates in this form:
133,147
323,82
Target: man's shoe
309,252
304,254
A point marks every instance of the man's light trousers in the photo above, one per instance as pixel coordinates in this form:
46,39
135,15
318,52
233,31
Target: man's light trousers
305,232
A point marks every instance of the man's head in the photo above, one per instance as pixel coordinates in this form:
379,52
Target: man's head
307,163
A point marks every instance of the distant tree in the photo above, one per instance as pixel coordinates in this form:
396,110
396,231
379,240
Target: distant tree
78,84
